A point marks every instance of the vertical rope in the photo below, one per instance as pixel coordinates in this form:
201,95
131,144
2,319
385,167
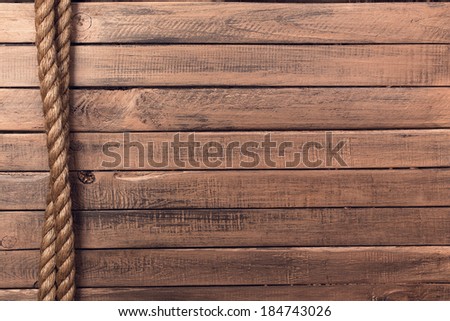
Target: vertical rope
65,253
57,267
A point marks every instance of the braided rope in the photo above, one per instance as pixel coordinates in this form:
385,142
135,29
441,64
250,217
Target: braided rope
57,267
65,253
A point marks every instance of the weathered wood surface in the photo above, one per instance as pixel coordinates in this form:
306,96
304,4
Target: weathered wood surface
234,150
234,189
265,266
237,227
259,1
240,23
353,292
226,234
234,109
239,65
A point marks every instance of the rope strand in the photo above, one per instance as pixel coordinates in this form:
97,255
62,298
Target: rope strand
57,264
65,254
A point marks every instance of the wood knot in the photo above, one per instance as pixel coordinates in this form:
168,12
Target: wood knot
81,21
86,177
8,242
76,146
394,295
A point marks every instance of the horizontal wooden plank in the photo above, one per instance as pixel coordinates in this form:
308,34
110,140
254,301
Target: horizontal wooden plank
234,108
275,293
239,65
234,150
18,295
353,292
244,227
27,1
234,189
259,1
240,23
276,266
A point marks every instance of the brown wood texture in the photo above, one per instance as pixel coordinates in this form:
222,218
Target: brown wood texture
234,189
304,150
237,227
259,1
239,65
234,109
241,23
265,266
376,229
356,292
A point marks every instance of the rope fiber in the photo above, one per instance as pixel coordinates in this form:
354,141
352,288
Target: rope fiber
57,259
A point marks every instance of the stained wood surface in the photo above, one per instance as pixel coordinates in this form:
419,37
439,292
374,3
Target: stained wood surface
234,109
259,1
239,65
235,227
267,266
354,292
144,151
375,230
240,23
234,189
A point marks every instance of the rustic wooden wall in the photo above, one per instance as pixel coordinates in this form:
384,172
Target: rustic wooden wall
376,75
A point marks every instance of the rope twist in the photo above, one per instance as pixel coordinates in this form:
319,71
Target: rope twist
57,260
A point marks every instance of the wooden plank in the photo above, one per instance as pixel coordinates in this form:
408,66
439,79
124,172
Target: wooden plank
271,266
239,65
245,227
240,23
234,189
234,150
234,108
15,190
18,295
259,1
353,292
277,293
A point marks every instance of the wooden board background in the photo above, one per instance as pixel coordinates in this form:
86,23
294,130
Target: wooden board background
374,229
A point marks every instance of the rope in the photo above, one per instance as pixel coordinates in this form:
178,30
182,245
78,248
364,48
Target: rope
57,264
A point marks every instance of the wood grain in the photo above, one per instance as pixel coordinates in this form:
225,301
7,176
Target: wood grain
271,266
353,292
234,189
234,150
234,109
240,23
239,65
259,1
243,227
222,235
